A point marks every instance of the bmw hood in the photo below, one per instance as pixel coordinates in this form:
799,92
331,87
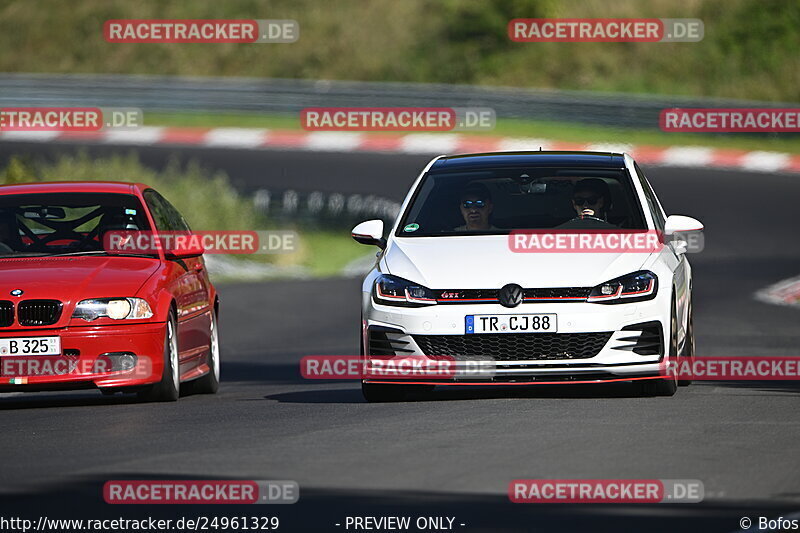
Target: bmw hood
70,279
484,262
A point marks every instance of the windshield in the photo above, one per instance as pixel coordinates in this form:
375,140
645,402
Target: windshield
498,201
64,223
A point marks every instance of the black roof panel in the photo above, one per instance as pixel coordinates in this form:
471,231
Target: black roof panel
530,159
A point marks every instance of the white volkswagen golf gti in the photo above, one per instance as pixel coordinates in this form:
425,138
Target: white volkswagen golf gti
450,283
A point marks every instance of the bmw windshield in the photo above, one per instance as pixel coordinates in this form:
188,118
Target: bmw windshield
64,223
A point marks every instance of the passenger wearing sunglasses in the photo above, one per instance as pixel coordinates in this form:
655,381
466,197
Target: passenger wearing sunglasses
476,205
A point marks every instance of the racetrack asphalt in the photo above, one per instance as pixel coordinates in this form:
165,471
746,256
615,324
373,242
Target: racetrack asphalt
454,452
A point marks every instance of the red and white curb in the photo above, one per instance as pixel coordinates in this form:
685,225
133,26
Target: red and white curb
411,143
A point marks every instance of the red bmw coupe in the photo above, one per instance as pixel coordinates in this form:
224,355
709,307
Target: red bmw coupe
74,314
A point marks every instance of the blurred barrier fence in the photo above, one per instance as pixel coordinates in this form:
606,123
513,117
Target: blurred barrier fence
323,210
167,93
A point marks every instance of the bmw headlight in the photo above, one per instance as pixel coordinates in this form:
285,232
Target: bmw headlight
115,308
635,287
391,290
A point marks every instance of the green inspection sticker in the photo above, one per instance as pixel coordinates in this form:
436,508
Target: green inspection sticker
411,227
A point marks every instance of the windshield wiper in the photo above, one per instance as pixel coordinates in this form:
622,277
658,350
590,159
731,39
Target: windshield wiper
12,256
98,252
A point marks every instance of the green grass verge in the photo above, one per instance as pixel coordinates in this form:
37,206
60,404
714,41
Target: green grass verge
332,251
749,47
555,131
207,201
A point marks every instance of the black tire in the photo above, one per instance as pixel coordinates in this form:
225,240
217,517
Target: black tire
687,354
209,384
666,386
168,389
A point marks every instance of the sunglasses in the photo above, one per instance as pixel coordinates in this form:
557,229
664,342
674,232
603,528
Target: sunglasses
469,204
584,200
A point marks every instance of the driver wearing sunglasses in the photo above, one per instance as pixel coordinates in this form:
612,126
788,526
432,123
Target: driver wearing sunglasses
591,198
475,204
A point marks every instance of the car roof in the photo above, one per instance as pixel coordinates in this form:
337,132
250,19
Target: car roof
531,159
118,187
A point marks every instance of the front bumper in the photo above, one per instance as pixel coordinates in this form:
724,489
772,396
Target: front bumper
594,342
84,359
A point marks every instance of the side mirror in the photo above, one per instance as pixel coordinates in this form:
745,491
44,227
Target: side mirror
182,245
678,223
370,232
685,233
185,252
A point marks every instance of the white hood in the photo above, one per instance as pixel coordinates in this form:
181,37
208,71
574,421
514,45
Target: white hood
486,262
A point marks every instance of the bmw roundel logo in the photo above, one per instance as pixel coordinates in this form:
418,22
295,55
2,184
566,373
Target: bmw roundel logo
17,292
511,295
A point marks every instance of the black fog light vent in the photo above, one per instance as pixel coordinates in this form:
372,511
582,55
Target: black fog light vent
645,339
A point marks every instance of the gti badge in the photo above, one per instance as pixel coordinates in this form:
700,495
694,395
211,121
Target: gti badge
17,292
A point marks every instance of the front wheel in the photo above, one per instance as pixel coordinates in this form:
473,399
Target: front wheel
209,383
668,385
687,354
169,388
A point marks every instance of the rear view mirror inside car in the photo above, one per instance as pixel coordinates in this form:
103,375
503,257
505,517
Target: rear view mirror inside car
44,212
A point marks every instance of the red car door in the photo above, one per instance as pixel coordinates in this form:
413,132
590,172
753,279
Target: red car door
189,284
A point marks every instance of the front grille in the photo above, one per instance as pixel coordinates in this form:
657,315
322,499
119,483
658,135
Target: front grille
38,312
515,346
456,296
446,296
6,313
558,292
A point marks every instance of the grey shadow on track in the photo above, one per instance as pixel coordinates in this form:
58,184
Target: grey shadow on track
465,393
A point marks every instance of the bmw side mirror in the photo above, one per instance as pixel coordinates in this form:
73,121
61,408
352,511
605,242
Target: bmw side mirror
370,232
182,245
185,252
684,233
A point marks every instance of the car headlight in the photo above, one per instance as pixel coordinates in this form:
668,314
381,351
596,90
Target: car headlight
391,290
635,287
115,308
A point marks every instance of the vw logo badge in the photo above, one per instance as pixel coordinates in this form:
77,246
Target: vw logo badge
17,292
511,295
